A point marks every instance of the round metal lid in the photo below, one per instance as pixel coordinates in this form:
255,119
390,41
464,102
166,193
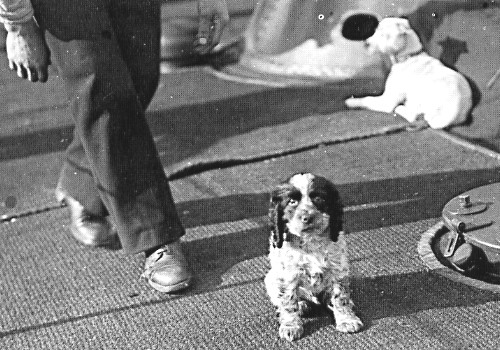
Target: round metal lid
476,214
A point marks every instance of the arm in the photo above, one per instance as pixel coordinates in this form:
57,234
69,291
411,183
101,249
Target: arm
27,51
15,11
213,17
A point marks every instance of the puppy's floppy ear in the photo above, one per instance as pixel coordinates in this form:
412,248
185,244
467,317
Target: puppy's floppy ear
276,212
333,208
276,224
336,212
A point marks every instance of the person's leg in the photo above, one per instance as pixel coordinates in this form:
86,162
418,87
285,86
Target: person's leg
76,178
137,27
120,156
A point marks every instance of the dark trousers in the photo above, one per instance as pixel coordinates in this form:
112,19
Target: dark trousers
107,54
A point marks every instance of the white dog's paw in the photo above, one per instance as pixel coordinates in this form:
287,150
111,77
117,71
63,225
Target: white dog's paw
349,324
353,102
291,332
406,113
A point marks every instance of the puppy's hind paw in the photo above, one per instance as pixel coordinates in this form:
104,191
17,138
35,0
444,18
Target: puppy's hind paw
350,324
291,332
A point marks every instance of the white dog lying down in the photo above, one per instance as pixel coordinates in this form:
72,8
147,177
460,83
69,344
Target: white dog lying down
418,84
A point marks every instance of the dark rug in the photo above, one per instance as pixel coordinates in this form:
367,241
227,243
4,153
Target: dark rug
199,123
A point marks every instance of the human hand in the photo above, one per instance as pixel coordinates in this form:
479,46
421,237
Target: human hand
213,17
27,51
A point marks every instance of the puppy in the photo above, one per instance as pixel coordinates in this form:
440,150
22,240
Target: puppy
308,255
418,85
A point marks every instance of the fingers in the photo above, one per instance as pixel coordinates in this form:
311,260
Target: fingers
21,72
43,75
204,39
209,32
217,31
30,73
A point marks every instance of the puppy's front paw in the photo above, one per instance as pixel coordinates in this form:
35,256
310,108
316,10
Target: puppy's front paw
305,308
349,324
291,332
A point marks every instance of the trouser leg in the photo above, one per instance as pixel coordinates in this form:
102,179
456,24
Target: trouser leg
120,156
77,180
137,27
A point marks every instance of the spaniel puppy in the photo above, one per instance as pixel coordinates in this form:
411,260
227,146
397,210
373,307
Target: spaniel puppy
308,255
418,85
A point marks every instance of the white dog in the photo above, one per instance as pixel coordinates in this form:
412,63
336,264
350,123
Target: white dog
418,85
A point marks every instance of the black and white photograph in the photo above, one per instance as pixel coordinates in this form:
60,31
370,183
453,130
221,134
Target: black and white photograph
249,174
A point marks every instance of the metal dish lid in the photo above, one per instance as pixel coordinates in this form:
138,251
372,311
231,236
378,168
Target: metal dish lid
476,215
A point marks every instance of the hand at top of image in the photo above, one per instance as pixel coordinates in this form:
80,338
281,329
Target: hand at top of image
27,51
213,17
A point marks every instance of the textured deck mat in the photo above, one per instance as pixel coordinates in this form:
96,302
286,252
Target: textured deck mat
29,182
195,118
67,296
393,179
57,294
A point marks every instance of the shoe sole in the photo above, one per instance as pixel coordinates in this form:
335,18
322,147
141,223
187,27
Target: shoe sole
173,288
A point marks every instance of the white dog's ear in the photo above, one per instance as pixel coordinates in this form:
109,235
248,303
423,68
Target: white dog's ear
403,26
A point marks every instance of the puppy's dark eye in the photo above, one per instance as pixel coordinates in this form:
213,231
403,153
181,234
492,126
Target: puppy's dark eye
318,201
293,202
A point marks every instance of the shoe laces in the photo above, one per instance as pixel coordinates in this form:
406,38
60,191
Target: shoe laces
148,271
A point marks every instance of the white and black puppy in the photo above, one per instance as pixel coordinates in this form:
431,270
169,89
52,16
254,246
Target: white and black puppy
418,85
308,254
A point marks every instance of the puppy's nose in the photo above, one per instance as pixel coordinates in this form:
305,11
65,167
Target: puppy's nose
306,218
